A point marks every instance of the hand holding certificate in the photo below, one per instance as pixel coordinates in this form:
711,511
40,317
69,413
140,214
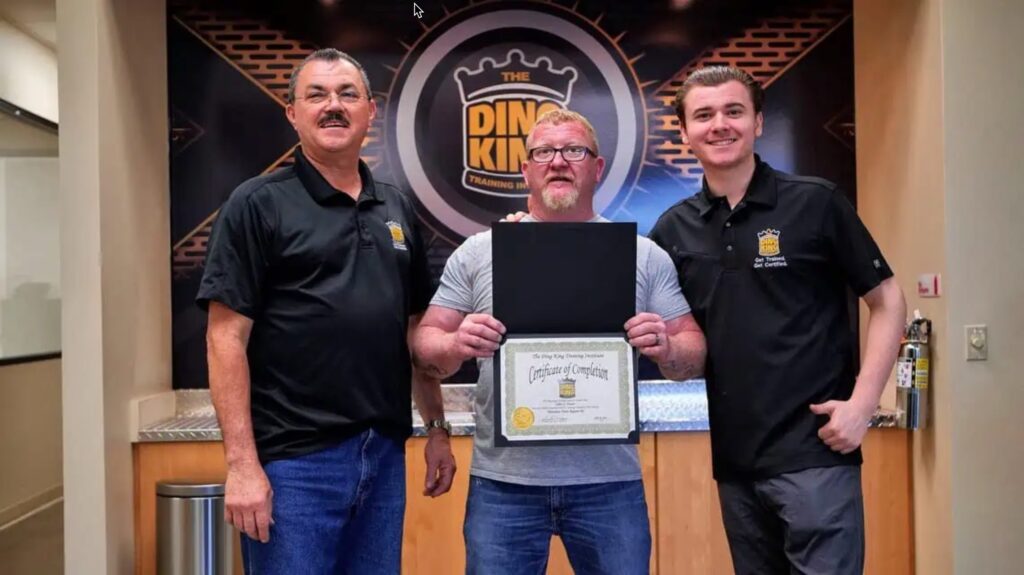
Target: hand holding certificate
565,372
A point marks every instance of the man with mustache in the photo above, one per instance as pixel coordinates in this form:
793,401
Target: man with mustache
314,274
766,259
591,496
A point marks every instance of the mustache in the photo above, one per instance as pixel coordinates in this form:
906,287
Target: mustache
563,176
333,117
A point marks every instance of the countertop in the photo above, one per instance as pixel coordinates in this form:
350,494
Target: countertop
664,406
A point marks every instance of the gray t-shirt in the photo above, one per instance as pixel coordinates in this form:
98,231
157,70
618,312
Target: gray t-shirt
466,287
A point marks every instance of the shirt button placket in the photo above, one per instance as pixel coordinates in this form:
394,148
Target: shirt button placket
729,239
365,240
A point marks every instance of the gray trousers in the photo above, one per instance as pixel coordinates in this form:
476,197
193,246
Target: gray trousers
807,522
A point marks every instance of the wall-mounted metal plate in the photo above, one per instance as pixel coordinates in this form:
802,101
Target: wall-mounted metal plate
976,337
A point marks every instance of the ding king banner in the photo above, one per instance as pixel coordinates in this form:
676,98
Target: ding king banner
459,84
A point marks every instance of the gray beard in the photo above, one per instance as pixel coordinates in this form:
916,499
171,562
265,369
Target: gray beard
560,203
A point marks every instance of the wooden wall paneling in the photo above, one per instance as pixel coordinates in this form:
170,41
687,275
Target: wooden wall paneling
649,468
155,462
888,502
682,500
432,543
691,538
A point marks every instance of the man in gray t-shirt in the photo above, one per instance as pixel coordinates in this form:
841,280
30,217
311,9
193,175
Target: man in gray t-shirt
589,495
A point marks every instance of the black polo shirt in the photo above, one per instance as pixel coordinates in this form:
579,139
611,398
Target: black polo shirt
329,283
768,283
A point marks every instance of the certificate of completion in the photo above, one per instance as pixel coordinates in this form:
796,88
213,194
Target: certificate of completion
565,389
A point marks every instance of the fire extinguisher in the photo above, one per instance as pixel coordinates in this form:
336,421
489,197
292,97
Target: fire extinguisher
913,373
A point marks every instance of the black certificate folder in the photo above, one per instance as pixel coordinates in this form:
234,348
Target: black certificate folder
560,278
564,373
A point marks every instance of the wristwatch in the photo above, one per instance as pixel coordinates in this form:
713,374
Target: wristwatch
440,424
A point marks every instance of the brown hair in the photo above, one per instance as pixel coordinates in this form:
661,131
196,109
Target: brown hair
716,76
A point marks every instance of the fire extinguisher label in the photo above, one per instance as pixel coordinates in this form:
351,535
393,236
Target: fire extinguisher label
905,373
921,377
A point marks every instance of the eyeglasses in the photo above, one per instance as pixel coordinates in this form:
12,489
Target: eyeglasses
546,154
346,97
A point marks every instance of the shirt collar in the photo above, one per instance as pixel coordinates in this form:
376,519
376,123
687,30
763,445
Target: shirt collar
761,190
322,191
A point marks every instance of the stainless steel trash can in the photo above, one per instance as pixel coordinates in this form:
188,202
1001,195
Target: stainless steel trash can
192,536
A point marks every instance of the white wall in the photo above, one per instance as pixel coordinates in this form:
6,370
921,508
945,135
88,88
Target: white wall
3,245
29,256
983,87
30,393
28,73
115,225
30,438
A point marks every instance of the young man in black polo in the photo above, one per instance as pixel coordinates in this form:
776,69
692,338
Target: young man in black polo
313,274
765,260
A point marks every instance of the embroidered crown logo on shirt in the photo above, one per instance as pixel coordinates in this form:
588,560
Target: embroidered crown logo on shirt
397,235
768,242
769,250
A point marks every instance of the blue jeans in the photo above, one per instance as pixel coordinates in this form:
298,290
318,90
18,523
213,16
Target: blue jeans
339,510
604,527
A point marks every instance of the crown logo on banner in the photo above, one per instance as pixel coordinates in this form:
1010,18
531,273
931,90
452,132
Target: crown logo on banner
516,74
501,101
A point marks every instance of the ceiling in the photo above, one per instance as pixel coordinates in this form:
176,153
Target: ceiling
37,18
